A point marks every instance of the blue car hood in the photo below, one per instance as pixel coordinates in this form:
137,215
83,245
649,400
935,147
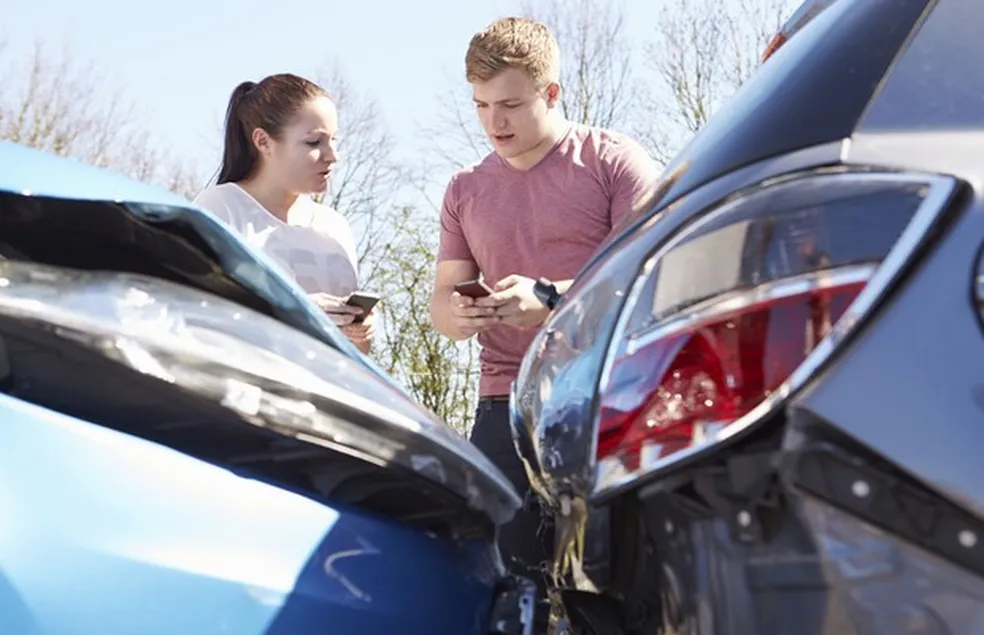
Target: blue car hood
63,212
130,284
33,173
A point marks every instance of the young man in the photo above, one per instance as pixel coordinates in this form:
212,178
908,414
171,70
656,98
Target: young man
536,207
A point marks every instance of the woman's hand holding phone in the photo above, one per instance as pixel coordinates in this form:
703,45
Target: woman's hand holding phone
338,311
362,333
354,321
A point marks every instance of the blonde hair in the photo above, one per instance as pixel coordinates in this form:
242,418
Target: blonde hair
513,43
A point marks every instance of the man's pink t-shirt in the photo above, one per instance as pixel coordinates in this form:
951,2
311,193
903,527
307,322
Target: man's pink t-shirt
545,221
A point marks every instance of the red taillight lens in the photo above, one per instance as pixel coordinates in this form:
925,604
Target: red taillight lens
683,386
723,315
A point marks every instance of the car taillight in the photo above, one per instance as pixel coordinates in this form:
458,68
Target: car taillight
773,46
694,380
803,15
724,314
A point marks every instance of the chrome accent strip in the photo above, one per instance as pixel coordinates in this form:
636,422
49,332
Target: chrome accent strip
606,369
979,283
732,301
610,479
515,416
845,149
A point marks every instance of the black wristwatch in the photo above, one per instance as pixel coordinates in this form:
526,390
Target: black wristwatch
546,292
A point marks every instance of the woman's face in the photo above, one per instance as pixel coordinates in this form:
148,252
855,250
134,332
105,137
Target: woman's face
303,155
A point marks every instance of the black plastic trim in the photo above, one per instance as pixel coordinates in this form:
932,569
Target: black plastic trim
860,482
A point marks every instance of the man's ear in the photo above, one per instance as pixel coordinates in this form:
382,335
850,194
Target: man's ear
261,141
553,94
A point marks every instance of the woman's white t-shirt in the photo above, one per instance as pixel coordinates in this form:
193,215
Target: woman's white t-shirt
315,246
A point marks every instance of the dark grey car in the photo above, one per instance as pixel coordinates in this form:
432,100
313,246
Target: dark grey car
760,408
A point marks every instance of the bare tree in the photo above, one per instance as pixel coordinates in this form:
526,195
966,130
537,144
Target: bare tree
369,176
753,23
54,102
454,137
701,53
397,253
596,58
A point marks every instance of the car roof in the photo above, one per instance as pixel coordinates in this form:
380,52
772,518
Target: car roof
36,173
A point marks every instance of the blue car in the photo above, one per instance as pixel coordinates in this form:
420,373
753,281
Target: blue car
190,446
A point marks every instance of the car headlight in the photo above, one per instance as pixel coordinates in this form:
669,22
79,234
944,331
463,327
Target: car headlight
269,374
673,347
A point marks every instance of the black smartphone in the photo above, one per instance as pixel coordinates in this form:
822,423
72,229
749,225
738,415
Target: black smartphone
365,300
473,288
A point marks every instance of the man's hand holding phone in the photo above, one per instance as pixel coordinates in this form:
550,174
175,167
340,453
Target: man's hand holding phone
469,318
514,303
364,300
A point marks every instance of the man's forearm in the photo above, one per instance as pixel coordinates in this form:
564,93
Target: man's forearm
440,307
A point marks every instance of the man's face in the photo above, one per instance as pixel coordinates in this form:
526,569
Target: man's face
513,112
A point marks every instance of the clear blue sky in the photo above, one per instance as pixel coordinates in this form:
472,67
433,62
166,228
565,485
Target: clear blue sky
178,60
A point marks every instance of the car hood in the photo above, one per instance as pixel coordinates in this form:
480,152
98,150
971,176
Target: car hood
207,376
62,212
108,284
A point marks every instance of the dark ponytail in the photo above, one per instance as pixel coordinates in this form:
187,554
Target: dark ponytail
238,151
268,105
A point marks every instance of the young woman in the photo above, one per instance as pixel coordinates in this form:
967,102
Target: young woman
279,150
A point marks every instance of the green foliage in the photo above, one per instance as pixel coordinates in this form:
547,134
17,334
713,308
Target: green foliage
440,374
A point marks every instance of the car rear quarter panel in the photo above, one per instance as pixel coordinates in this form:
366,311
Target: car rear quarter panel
911,387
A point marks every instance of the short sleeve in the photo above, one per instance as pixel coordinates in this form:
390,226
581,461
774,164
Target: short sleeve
453,245
215,201
635,176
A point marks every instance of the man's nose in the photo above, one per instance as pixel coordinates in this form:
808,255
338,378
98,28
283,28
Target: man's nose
499,120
